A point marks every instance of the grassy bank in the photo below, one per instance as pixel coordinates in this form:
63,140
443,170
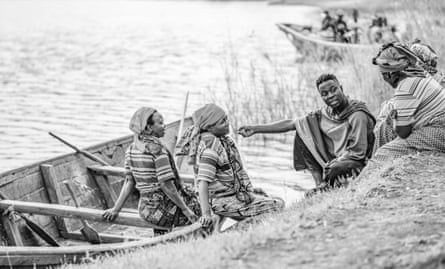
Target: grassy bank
391,217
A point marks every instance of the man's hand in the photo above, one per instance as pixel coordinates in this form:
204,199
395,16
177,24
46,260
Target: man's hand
246,131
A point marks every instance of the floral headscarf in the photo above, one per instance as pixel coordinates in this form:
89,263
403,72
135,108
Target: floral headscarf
427,55
395,56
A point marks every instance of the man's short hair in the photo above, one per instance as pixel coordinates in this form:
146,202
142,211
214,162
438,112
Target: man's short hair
325,77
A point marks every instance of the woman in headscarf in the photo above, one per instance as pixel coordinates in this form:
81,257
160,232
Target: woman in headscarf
223,184
414,118
428,60
150,169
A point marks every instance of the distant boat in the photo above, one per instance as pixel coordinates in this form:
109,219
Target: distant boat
37,192
307,42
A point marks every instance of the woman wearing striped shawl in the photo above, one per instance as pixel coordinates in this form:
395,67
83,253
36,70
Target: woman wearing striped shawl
413,120
223,184
150,169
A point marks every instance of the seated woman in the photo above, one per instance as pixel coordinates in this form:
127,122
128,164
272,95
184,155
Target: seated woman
413,120
150,169
223,184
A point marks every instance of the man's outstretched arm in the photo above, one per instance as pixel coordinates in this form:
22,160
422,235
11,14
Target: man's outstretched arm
275,127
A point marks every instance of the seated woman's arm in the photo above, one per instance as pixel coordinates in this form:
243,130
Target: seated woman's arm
127,188
203,188
206,174
275,127
166,177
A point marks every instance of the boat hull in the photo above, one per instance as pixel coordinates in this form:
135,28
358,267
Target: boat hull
308,46
42,182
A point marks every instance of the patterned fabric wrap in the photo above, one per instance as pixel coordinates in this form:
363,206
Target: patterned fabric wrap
157,208
427,138
242,182
231,206
427,56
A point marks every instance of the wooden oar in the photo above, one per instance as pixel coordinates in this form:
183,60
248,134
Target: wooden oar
90,234
85,153
178,160
35,227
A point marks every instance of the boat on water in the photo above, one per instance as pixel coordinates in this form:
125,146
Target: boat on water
308,42
38,193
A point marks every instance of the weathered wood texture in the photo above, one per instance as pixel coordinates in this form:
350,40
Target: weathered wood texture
11,227
124,218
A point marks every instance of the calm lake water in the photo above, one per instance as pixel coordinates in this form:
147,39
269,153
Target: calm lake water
81,68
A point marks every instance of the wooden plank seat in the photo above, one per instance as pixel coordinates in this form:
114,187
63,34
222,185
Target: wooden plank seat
120,171
124,218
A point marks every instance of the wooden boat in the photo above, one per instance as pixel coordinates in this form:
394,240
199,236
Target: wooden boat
308,43
37,191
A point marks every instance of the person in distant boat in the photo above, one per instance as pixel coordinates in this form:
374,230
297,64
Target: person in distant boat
429,59
375,32
341,28
328,24
332,142
355,27
413,120
150,168
223,183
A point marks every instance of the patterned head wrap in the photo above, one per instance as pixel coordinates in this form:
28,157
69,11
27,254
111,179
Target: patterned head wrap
394,57
203,118
138,123
427,56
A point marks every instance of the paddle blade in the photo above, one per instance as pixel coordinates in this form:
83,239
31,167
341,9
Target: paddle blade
90,234
39,230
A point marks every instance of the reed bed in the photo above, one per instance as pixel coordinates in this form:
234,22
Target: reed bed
264,90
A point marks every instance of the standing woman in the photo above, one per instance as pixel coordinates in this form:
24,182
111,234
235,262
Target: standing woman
150,169
223,184
414,120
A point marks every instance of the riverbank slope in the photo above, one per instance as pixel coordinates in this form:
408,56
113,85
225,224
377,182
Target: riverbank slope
390,217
